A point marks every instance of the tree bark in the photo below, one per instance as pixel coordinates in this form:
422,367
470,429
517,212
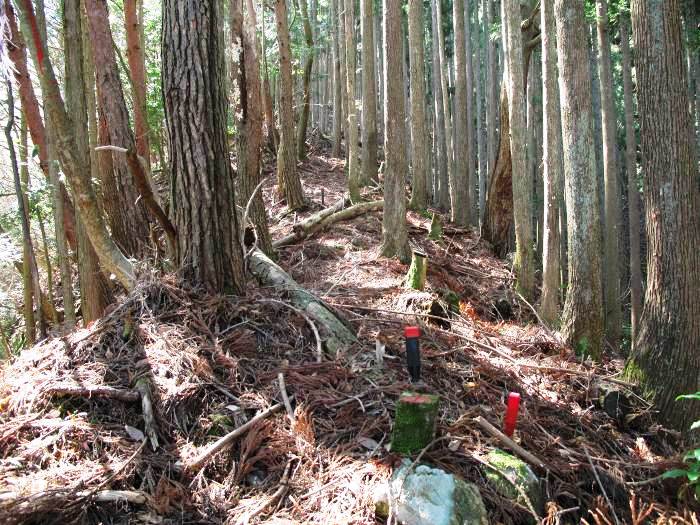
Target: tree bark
369,94
524,263
419,154
447,119
249,118
611,285
353,168
137,72
460,182
308,66
77,173
128,216
666,355
632,181
582,323
491,89
481,131
553,168
288,182
17,51
337,82
209,248
394,230
442,184
471,151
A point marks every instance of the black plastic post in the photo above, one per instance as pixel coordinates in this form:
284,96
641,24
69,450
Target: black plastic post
412,334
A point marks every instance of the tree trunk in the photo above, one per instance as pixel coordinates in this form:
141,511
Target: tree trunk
249,118
632,181
27,281
137,73
582,323
419,155
460,182
128,216
447,119
553,169
498,218
209,248
666,355
337,83
491,89
394,230
353,168
288,182
481,137
442,192
30,109
308,66
471,151
369,94
524,264
34,282
77,173
611,285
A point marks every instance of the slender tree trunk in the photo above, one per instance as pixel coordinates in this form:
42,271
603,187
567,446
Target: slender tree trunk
24,219
308,67
249,118
613,312
77,173
209,247
481,132
491,89
288,182
632,181
553,168
447,119
353,168
582,323
471,151
49,271
460,182
27,281
442,192
30,109
597,118
524,264
419,195
666,356
337,82
369,94
394,230
137,72
272,134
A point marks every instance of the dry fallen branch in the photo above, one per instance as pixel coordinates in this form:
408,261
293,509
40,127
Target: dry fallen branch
520,451
94,391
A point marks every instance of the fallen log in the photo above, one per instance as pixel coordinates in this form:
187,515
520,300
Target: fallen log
321,220
93,391
335,335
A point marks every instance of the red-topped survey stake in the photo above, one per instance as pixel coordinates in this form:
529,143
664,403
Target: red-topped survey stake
511,414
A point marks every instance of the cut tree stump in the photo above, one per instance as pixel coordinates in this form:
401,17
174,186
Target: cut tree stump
414,426
321,220
417,271
435,228
335,334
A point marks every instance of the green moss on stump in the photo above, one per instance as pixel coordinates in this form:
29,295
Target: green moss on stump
517,473
414,426
417,271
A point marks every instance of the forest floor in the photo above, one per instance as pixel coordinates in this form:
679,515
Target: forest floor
72,430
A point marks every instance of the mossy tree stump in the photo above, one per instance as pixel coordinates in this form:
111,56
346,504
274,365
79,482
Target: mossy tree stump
414,425
435,228
417,272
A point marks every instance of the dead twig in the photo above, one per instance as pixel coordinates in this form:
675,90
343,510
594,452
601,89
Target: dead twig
520,451
285,397
94,391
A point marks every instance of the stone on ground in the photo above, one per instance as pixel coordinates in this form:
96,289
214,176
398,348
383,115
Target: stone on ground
518,473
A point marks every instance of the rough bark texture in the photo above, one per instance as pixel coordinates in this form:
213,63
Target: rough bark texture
308,66
288,181
442,183
419,154
481,132
491,90
128,216
471,151
369,94
460,181
666,358
17,51
394,230
249,118
137,73
442,71
611,285
632,183
524,263
337,83
209,249
77,173
353,167
553,169
582,323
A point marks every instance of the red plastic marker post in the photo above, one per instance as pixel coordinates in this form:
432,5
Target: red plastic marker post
511,413
412,334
